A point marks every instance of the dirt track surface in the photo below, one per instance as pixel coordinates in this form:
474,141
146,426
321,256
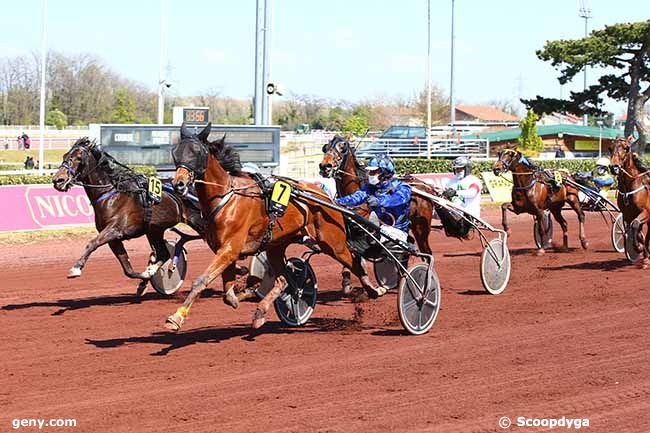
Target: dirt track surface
570,337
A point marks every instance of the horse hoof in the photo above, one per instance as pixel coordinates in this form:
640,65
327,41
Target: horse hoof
174,322
585,244
372,292
540,252
231,299
74,273
141,289
258,319
347,289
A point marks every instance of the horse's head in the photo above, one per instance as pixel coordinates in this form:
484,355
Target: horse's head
507,161
77,163
190,157
620,151
335,152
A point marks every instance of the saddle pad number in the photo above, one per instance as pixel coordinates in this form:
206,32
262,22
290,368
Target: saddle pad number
281,193
558,177
155,188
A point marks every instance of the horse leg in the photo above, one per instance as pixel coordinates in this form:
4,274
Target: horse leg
505,207
421,229
221,261
636,226
228,278
156,239
346,284
276,260
122,256
557,213
574,202
539,218
646,260
107,235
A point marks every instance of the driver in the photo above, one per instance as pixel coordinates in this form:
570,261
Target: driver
464,189
600,176
389,198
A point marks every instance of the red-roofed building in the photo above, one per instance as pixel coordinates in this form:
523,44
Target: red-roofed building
484,114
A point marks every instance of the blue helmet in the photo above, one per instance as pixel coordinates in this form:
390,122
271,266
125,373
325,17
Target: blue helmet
385,165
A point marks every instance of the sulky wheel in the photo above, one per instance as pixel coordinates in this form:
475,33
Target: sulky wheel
169,278
387,273
543,238
495,267
618,234
418,305
631,253
297,302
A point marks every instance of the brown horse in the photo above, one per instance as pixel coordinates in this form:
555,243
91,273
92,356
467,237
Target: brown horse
118,196
340,162
532,193
633,194
239,225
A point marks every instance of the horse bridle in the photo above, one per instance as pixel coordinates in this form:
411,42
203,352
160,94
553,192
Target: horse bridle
503,162
339,156
73,174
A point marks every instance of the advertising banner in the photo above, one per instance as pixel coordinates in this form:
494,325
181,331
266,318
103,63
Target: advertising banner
34,207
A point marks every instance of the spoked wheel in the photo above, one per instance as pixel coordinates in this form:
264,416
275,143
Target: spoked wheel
296,304
618,234
169,278
387,273
418,305
495,267
631,253
545,235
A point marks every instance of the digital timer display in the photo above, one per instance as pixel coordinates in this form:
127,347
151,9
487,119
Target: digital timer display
195,115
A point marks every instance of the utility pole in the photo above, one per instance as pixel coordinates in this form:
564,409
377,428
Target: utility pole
452,101
428,79
585,13
266,99
41,147
161,73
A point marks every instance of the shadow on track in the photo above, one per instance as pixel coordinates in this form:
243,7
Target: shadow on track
217,335
605,265
66,305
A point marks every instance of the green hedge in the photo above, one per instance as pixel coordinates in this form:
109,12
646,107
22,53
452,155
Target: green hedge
24,179
414,166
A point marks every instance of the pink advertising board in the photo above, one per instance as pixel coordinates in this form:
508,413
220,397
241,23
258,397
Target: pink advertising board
36,207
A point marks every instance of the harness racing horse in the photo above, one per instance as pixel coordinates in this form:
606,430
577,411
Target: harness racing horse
340,162
238,224
633,195
532,194
119,200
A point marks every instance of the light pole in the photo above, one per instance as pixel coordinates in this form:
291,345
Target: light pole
161,80
452,102
600,137
428,79
41,147
585,13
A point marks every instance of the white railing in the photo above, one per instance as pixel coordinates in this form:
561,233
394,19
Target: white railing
30,172
409,148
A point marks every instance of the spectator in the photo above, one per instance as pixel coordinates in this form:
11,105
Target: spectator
20,142
27,142
29,163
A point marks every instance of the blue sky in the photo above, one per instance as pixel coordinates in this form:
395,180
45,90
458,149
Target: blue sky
339,49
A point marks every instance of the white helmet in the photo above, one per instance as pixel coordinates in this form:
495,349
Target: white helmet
603,162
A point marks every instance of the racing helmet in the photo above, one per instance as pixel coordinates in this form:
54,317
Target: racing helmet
385,165
603,162
464,163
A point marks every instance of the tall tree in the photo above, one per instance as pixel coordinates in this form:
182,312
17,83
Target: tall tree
530,143
625,48
124,110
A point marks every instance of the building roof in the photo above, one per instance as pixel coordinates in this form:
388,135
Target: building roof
508,134
487,113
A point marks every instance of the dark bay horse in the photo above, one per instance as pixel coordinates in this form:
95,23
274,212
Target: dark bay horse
340,162
117,194
239,225
633,193
532,193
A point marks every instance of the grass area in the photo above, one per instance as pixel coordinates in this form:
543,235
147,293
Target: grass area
44,235
53,156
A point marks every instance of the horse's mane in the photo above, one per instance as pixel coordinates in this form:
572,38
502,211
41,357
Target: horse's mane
638,163
118,174
227,156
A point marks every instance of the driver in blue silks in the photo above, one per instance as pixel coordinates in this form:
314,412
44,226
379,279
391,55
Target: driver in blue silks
389,198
